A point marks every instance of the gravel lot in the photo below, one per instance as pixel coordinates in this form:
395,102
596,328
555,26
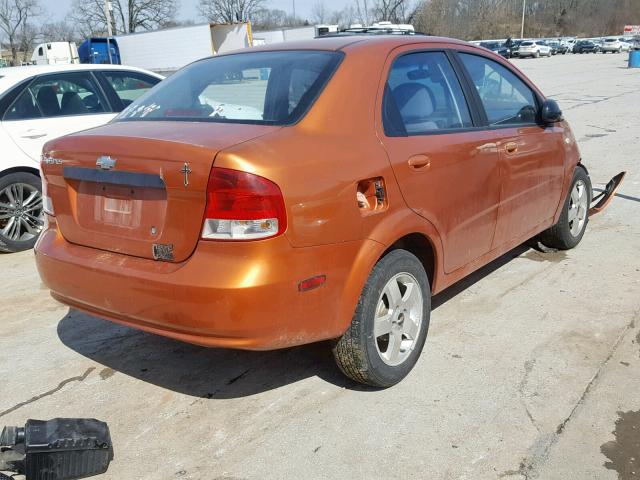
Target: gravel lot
530,370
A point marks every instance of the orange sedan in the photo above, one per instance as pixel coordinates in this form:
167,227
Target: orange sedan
309,191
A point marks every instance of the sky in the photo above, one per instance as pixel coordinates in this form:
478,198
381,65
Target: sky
188,8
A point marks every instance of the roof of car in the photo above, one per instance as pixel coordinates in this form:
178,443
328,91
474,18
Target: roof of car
11,75
339,42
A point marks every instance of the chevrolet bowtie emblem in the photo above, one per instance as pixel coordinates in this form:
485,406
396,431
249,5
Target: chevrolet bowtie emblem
106,162
186,171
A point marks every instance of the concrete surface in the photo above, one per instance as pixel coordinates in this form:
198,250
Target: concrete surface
530,370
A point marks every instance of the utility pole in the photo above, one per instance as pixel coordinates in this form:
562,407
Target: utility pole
294,10
107,11
524,6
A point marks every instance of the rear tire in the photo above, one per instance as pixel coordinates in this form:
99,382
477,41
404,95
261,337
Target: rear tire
390,324
21,216
569,230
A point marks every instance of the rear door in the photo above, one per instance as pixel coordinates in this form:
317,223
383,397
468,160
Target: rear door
531,155
446,166
55,105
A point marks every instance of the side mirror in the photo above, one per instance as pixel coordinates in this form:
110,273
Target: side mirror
551,112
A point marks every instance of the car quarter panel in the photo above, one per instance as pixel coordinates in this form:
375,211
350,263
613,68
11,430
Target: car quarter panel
319,161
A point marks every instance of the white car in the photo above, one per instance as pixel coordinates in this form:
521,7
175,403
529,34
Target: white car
42,102
530,48
626,44
612,45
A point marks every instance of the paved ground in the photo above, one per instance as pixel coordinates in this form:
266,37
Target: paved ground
530,371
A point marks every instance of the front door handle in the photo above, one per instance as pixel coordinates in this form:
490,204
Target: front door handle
511,147
418,162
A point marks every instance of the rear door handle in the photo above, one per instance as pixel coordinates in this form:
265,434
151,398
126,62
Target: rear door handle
511,147
33,134
418,162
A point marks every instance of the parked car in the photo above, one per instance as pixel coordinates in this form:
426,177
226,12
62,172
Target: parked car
321,219
37,104
625,43
551,45
497,47
515,47
598,43
558,47
585,46
531,48
612,45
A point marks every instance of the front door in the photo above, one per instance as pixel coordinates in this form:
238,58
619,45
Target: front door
447,168
531,155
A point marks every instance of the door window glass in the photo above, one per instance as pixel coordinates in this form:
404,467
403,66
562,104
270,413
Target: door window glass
507,100
423,95
58,95
129,86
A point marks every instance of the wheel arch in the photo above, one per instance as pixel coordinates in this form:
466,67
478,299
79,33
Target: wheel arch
20,169
422,247
418,237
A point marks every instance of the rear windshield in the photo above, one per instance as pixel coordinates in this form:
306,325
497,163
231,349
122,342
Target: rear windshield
526,44
611,40
272,88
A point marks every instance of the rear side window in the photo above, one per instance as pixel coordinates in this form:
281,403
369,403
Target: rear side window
56,96
273,88
129,85
507,100
423,95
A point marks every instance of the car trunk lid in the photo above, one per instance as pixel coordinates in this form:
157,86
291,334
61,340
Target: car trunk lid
137,188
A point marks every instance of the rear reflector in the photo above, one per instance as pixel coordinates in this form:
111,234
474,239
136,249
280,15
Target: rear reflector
311,283
242,206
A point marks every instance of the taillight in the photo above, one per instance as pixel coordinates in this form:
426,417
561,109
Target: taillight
242,206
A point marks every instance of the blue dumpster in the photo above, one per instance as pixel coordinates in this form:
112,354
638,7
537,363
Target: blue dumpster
634,59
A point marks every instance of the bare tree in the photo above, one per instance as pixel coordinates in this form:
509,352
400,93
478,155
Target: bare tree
269,18
319,13
14,22
128,15
61,31
344,18
363,12
391,10
485,19
229,11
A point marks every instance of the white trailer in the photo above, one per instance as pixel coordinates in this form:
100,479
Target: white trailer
165,51
266,37
55,53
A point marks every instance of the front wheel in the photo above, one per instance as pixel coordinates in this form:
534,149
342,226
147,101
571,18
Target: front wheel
569,230
390,324
21,215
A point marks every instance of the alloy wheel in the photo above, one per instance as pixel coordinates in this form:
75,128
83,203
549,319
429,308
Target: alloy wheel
398,318
578,206
21,215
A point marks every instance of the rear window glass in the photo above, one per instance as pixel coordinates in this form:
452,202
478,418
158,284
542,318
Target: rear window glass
274,88
526,44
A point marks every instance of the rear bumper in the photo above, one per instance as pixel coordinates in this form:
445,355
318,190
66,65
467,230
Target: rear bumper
234,295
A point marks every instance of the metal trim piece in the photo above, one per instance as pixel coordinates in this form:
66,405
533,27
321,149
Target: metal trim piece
129,179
